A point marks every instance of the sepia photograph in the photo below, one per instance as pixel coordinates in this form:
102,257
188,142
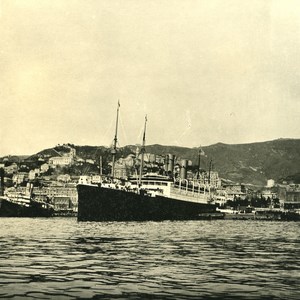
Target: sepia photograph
149,149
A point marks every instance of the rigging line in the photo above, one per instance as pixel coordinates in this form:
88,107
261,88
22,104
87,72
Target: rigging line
139,137
108,129
188,126
123,129
178,140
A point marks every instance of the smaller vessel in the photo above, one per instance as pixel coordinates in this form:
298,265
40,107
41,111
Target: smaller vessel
17,204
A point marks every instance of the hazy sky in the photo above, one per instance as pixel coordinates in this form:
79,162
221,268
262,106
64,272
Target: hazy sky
203,71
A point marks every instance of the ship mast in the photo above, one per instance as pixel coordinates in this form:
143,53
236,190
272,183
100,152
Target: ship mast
199,163
143,152
1,181
210,169
114,149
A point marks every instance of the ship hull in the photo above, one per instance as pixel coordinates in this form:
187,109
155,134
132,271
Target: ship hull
104,204
10,209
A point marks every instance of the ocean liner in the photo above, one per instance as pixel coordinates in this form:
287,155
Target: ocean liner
143,197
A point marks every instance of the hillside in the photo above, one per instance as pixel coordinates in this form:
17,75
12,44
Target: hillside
246,163
249,163
257,162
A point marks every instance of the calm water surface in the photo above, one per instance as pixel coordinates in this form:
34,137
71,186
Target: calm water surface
62,259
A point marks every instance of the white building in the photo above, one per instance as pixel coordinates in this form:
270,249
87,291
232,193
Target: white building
44,168
64,178
60,160
31,175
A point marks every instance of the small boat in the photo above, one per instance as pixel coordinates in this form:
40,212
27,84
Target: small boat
278,214
143,197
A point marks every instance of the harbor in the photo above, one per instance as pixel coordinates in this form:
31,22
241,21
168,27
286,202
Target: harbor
163,175
149,150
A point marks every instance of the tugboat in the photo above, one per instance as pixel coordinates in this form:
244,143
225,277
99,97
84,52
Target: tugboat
144,197
16,204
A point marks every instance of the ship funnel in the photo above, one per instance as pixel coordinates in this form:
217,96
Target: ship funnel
166,163
169,163
171,159
1,182
183,169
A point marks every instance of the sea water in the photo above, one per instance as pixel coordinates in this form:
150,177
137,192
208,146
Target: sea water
60,258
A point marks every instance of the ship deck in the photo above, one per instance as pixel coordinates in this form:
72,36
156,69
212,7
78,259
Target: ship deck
181,194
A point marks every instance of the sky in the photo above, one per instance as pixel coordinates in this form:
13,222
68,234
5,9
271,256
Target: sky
203,71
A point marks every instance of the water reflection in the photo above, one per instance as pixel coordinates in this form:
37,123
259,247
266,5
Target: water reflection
60,258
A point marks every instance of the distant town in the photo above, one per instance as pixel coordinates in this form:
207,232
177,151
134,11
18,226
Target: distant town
55,173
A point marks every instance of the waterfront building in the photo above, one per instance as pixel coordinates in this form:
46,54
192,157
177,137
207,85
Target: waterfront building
289,196
235,191
62,203
221,199
270,193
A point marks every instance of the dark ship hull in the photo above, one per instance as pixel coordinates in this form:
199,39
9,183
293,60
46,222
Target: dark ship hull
104,204
35,209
